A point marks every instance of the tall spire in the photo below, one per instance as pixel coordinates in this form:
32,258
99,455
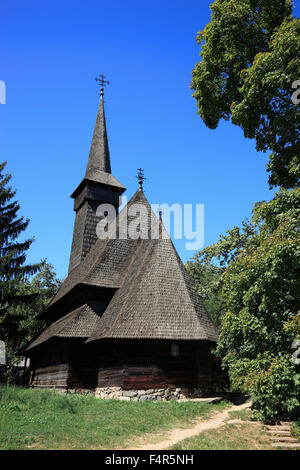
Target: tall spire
98,186
99,152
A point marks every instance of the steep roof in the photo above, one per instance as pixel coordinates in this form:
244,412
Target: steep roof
108,260
154,295
98,168
99,158
77,324
156,300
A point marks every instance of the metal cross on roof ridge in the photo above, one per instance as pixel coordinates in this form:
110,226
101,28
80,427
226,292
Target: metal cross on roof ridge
140,176
160,213
103,82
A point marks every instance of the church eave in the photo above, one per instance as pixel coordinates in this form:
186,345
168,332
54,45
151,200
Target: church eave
114,185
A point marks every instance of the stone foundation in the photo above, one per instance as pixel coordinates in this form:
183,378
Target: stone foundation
158,394
116,393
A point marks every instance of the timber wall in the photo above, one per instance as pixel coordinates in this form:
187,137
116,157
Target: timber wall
142,365
126,364
49,365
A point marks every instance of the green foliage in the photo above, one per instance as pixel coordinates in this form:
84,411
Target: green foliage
22,296
250,59
45,419
207,280
261,288
42,287
9,371
296,429
271,381
13,269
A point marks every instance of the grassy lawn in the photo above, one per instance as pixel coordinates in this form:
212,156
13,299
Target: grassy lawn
244,415
43,419
244,435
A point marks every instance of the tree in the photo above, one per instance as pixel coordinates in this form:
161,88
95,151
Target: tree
261,288
42,288
207,280
250,60
13,269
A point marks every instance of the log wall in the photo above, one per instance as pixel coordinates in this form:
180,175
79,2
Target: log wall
142,365
128,364
83,366
50,365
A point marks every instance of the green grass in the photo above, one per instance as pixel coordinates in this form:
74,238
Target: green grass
243,415
239,436
43,419
296,429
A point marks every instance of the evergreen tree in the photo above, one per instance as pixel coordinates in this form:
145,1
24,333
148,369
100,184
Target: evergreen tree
13,267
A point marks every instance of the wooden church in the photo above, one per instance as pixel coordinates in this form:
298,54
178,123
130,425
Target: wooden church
126,321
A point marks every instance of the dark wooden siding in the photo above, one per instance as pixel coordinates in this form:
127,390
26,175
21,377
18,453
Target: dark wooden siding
83,366
65,363
49,364
133,364
130,364
205,365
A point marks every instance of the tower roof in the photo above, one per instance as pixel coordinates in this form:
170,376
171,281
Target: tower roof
99,152
98,168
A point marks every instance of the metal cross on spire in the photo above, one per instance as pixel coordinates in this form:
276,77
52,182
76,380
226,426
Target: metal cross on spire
102,82
141,178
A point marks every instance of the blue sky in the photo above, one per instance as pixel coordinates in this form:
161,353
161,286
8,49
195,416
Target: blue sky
50,53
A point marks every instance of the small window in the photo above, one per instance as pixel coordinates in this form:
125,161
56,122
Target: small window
174,350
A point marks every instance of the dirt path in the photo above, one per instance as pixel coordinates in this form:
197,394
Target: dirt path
178,434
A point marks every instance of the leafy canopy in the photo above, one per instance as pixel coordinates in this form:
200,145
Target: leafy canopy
42,287
261,290
207,279
250,60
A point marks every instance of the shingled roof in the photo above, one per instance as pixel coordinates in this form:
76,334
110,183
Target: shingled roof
99,158
154,295
79,323
98,168
156,300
